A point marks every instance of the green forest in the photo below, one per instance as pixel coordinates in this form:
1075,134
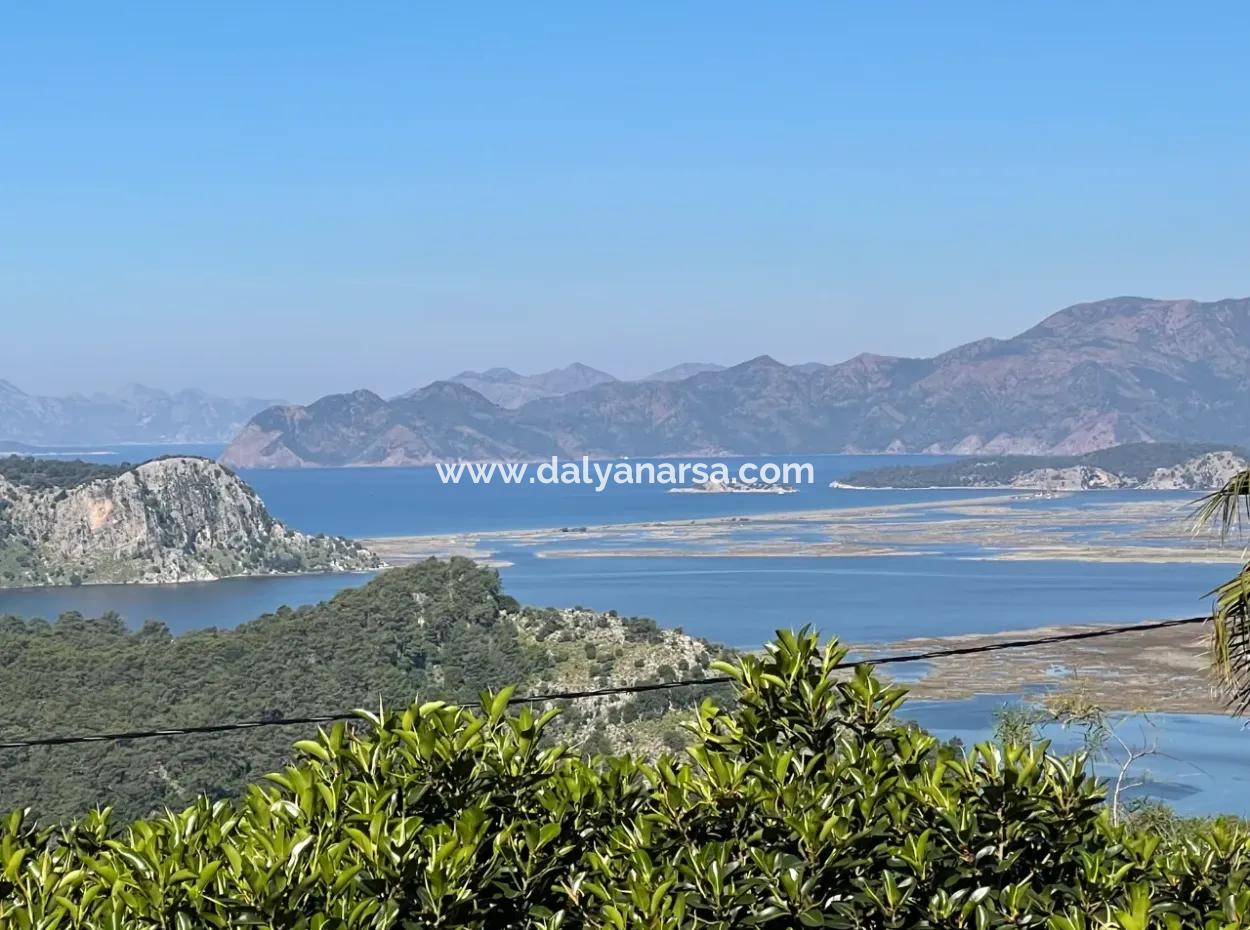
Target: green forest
807,804
437,628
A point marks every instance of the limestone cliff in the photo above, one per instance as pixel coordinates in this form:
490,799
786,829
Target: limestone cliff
167,520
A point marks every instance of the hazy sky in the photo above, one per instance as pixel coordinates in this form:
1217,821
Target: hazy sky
292,199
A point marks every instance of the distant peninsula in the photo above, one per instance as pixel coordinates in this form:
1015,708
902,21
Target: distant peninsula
734,486
1140,465
180,518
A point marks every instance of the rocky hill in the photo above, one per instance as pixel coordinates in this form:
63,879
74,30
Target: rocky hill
1094,375
1142,466
134,414
167,520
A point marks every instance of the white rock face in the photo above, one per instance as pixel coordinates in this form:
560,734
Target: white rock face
168,520
1072,478
1204,473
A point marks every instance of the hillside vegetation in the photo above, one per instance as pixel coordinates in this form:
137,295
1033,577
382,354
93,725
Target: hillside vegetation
809,805
440,628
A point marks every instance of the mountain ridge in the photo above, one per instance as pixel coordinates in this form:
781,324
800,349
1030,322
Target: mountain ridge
135,413
507,389
1087,377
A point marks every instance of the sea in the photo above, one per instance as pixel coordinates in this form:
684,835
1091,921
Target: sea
1203,761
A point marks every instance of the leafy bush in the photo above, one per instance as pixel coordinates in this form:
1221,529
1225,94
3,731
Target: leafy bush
808,806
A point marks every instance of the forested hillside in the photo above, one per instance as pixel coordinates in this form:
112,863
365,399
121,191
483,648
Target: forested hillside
437,629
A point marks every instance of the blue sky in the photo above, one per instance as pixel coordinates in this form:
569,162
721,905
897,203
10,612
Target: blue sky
293,199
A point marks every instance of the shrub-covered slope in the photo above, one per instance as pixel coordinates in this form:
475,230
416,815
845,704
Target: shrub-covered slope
440,628
808,806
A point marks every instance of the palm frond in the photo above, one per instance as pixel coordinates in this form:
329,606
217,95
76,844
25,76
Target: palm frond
1230,627
1230,638
1225,508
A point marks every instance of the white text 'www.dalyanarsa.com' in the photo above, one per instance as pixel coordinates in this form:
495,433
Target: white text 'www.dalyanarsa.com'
681,475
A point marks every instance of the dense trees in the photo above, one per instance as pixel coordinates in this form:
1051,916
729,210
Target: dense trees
808,805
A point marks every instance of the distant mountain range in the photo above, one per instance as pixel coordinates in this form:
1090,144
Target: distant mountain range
683,371
505,387
134,414
1094,375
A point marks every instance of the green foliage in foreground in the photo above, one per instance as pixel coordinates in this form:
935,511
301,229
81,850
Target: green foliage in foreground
809,806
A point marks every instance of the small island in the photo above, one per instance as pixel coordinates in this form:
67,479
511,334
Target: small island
733,486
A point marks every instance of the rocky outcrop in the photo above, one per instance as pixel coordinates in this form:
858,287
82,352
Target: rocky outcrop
1072,478
167,520
1089,377
1203,473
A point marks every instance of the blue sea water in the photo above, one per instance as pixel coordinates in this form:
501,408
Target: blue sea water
734,600
405,501
741,601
